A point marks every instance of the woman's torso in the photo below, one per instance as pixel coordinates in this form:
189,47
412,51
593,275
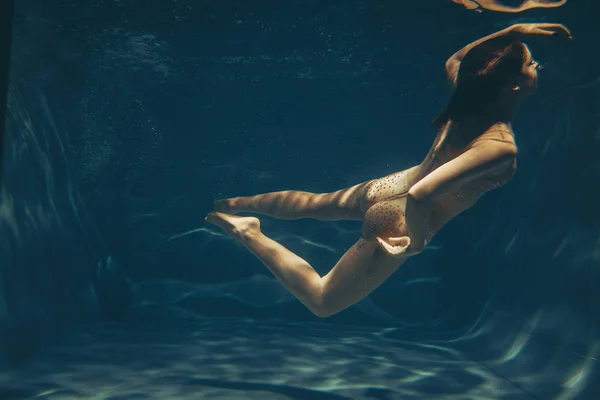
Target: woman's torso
392,189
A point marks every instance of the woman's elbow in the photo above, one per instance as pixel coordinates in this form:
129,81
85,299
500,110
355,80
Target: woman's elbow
419,195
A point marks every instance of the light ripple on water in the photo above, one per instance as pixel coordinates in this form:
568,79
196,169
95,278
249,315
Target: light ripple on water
168,357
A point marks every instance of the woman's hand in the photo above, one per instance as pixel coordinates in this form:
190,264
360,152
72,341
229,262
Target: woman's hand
398,247
541,30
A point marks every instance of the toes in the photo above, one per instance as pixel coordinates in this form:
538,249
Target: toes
220,219
209,217
220,205
223,205
213,217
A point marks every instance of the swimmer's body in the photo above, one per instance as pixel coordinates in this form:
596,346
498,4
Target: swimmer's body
474,152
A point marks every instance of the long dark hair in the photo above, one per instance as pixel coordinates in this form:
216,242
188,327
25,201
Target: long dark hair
483,72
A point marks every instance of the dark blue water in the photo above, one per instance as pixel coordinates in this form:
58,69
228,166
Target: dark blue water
127,119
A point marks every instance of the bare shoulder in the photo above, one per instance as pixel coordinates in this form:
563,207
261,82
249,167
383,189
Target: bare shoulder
494,148
496,154
495,143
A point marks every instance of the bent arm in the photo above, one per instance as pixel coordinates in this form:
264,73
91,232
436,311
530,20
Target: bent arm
450,177
453,63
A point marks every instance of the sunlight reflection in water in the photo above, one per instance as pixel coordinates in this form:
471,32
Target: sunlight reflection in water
162,356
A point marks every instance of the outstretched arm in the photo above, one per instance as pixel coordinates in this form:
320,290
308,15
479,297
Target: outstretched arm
453,63
518,30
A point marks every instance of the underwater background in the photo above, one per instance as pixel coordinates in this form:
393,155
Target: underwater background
126,120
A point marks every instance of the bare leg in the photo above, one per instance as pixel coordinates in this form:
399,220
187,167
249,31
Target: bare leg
363,268
293,204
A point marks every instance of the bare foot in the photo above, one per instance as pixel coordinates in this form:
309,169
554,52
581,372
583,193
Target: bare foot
241,229
225,205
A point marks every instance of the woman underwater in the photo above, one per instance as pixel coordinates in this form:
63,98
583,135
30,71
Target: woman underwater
473,153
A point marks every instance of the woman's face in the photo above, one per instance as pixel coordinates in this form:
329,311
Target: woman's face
528,81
